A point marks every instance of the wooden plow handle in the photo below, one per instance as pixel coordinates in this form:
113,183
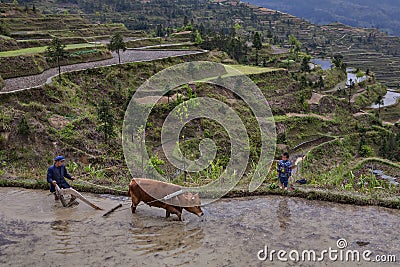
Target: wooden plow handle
73,192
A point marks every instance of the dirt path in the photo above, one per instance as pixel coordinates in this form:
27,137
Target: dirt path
278,50
162,46
131,55
324,118
357,94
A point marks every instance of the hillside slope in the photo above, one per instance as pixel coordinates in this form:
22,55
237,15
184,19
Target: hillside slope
383,15
313,122
361,48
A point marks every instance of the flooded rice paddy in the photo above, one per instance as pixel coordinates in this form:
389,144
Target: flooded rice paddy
37,231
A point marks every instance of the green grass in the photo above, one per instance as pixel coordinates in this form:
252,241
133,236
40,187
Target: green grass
236,70
5,37
42,49
252,69
279,118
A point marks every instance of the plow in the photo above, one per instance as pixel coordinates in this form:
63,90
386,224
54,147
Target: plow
62,192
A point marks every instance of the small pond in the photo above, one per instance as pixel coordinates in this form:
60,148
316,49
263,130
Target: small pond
351,74
325,64
389,99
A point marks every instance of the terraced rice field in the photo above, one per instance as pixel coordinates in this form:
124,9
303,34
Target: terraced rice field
26,82
42,49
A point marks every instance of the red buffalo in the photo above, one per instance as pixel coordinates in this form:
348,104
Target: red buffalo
163,195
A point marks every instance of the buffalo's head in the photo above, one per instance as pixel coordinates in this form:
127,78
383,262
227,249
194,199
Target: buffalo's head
193,203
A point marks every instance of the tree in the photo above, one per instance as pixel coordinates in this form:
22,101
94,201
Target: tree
202,29
321,83
106,118
305,64
269,34
55,52
4,30
198,40
350,87
160,31
379,102
117,44
294,44
196,37
257,44
236,28
303,82
185,21
169,91
338,62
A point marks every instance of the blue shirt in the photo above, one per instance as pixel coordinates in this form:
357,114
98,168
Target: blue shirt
284,168
57,174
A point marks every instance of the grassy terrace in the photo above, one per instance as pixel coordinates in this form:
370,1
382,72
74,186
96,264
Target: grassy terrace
391,113
42,49
344,176
252,69
232,70
362,48
104,161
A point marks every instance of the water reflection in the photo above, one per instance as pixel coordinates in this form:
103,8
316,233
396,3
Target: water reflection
352,76
325,64
389,99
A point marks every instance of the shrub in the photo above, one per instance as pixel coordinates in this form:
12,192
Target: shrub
68,133
4,30
366,151
23,127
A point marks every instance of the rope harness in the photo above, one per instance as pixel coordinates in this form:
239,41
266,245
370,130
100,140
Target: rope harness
175,194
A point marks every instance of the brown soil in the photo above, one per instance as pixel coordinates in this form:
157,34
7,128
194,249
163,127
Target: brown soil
315,98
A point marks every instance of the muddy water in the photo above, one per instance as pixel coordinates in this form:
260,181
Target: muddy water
36,231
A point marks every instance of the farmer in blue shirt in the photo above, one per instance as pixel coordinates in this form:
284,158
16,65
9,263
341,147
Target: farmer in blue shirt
56,175
284,171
